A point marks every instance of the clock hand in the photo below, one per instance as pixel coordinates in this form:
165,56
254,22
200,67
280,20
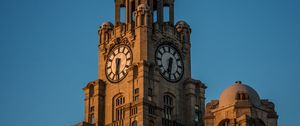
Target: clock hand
170,66
118,61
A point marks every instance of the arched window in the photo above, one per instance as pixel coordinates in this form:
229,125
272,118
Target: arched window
118,108
134,123
123,14
151,123
258,122
225,122
168,110
168,107
166,13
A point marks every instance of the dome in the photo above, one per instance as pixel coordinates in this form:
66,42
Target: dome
229,95
180,25
107,24
143,7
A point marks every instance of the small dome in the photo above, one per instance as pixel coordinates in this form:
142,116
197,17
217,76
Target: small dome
143,7
107,24
181,22
229,95
180,25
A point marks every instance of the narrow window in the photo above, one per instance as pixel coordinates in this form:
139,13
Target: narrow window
122,14
92,119
136,91
119,109
134,123
168,108
155,16
136,98
150,92
92,109
151,110
143,19
136,94
151,123
166,13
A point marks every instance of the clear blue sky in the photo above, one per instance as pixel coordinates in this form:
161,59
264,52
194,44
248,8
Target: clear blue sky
48,51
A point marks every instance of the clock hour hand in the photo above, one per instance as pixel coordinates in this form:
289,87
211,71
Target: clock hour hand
118,61
170,66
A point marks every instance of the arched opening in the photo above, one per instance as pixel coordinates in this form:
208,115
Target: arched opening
166,13
118,107
91,91
134,123
259,122
225,122
92,119
132,5
122,14
151,123
154,16
168,110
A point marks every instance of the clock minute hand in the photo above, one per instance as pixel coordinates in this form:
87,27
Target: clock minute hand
118,61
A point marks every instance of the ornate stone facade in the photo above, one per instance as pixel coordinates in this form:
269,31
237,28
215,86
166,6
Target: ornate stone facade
144,66
240,105
149,90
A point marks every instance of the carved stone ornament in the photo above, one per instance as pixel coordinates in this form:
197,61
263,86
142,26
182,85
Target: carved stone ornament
181,26
117,41
168,39
143,8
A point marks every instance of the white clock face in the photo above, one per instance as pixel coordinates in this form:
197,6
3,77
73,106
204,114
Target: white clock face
118,62
170,63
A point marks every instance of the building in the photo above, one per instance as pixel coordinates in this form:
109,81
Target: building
144,70
240,105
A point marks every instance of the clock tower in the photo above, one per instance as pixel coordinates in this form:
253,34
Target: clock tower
144,70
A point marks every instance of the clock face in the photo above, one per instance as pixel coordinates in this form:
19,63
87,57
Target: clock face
118,62
170,63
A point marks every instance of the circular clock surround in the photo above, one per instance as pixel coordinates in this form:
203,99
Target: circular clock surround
170,63
118,61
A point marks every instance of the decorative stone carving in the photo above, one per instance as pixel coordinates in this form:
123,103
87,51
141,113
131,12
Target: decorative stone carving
104,32
143,8
184,31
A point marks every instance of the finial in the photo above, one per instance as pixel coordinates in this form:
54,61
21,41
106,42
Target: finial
238,82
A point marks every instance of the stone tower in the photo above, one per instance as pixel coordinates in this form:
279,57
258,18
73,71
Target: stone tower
144,68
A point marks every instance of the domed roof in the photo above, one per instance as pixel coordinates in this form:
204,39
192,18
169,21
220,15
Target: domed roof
107,24
144,7
229,95
182,24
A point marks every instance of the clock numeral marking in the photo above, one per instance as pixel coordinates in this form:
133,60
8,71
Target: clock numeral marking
161,53
121,49
161,66
116,52
111,75
174,77
164,72
158,58
163,49
172,51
